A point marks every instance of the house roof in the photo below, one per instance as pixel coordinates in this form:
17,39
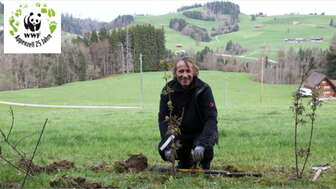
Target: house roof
333,82
314,79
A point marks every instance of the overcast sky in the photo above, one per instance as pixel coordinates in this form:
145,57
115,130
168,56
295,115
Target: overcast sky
107,10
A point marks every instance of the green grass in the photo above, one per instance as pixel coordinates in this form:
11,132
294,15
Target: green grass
254,136
68,36
276,29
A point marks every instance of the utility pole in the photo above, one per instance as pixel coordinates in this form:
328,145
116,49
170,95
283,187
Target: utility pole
262,80
141,84
129,62
225,91
123,69
264,49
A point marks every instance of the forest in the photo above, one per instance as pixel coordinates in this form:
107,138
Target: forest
96,55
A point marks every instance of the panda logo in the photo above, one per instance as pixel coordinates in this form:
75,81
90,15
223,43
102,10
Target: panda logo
32,21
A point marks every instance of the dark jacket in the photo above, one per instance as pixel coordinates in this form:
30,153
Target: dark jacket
199,123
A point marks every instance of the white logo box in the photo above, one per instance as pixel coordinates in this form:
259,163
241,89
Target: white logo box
23,35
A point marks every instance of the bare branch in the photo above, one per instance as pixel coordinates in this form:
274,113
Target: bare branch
12,125
12,164
31,161
22,155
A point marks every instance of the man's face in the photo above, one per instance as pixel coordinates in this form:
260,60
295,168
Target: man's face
184,73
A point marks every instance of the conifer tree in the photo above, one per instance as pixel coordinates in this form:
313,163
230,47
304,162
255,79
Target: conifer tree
331,59
331,23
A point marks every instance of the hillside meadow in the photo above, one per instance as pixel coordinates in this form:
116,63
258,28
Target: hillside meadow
268,39
255,125
271,35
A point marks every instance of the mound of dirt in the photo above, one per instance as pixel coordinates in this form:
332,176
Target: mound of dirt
67,181
136,162
103,167
51,168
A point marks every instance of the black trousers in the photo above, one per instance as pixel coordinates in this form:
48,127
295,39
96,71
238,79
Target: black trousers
185,158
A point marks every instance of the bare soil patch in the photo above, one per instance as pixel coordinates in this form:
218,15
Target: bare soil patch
136,163
50,168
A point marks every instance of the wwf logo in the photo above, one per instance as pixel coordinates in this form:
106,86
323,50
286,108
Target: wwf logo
32,21
32,25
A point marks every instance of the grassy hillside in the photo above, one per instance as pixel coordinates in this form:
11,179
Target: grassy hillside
108,92
254,136
276,28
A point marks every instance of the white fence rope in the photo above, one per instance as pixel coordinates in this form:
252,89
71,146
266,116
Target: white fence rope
68,106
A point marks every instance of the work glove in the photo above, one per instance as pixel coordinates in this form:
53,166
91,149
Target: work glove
167,154
198,153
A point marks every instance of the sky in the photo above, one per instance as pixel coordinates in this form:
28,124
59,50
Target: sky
107,10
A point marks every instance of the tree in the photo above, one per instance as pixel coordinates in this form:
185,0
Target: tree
129,58
82,67
91,56
94,37
188,7
1,8
103,34
331,23
229,45
149,42
253,17
200,56
331,59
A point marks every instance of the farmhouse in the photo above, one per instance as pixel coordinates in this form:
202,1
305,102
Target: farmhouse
295,40
259,26
316,39
301,40
320,82
296,22
180,52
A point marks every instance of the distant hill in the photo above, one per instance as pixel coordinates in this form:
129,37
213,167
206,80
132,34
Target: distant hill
1,8
183,8
1,21
1,13
80,26
266,33
225,12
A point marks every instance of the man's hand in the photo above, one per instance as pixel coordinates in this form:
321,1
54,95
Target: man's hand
198,153
167,154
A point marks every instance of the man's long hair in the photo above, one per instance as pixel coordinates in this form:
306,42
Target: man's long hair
187,61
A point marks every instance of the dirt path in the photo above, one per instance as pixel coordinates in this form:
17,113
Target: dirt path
68,106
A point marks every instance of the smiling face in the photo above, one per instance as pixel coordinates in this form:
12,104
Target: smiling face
184,73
